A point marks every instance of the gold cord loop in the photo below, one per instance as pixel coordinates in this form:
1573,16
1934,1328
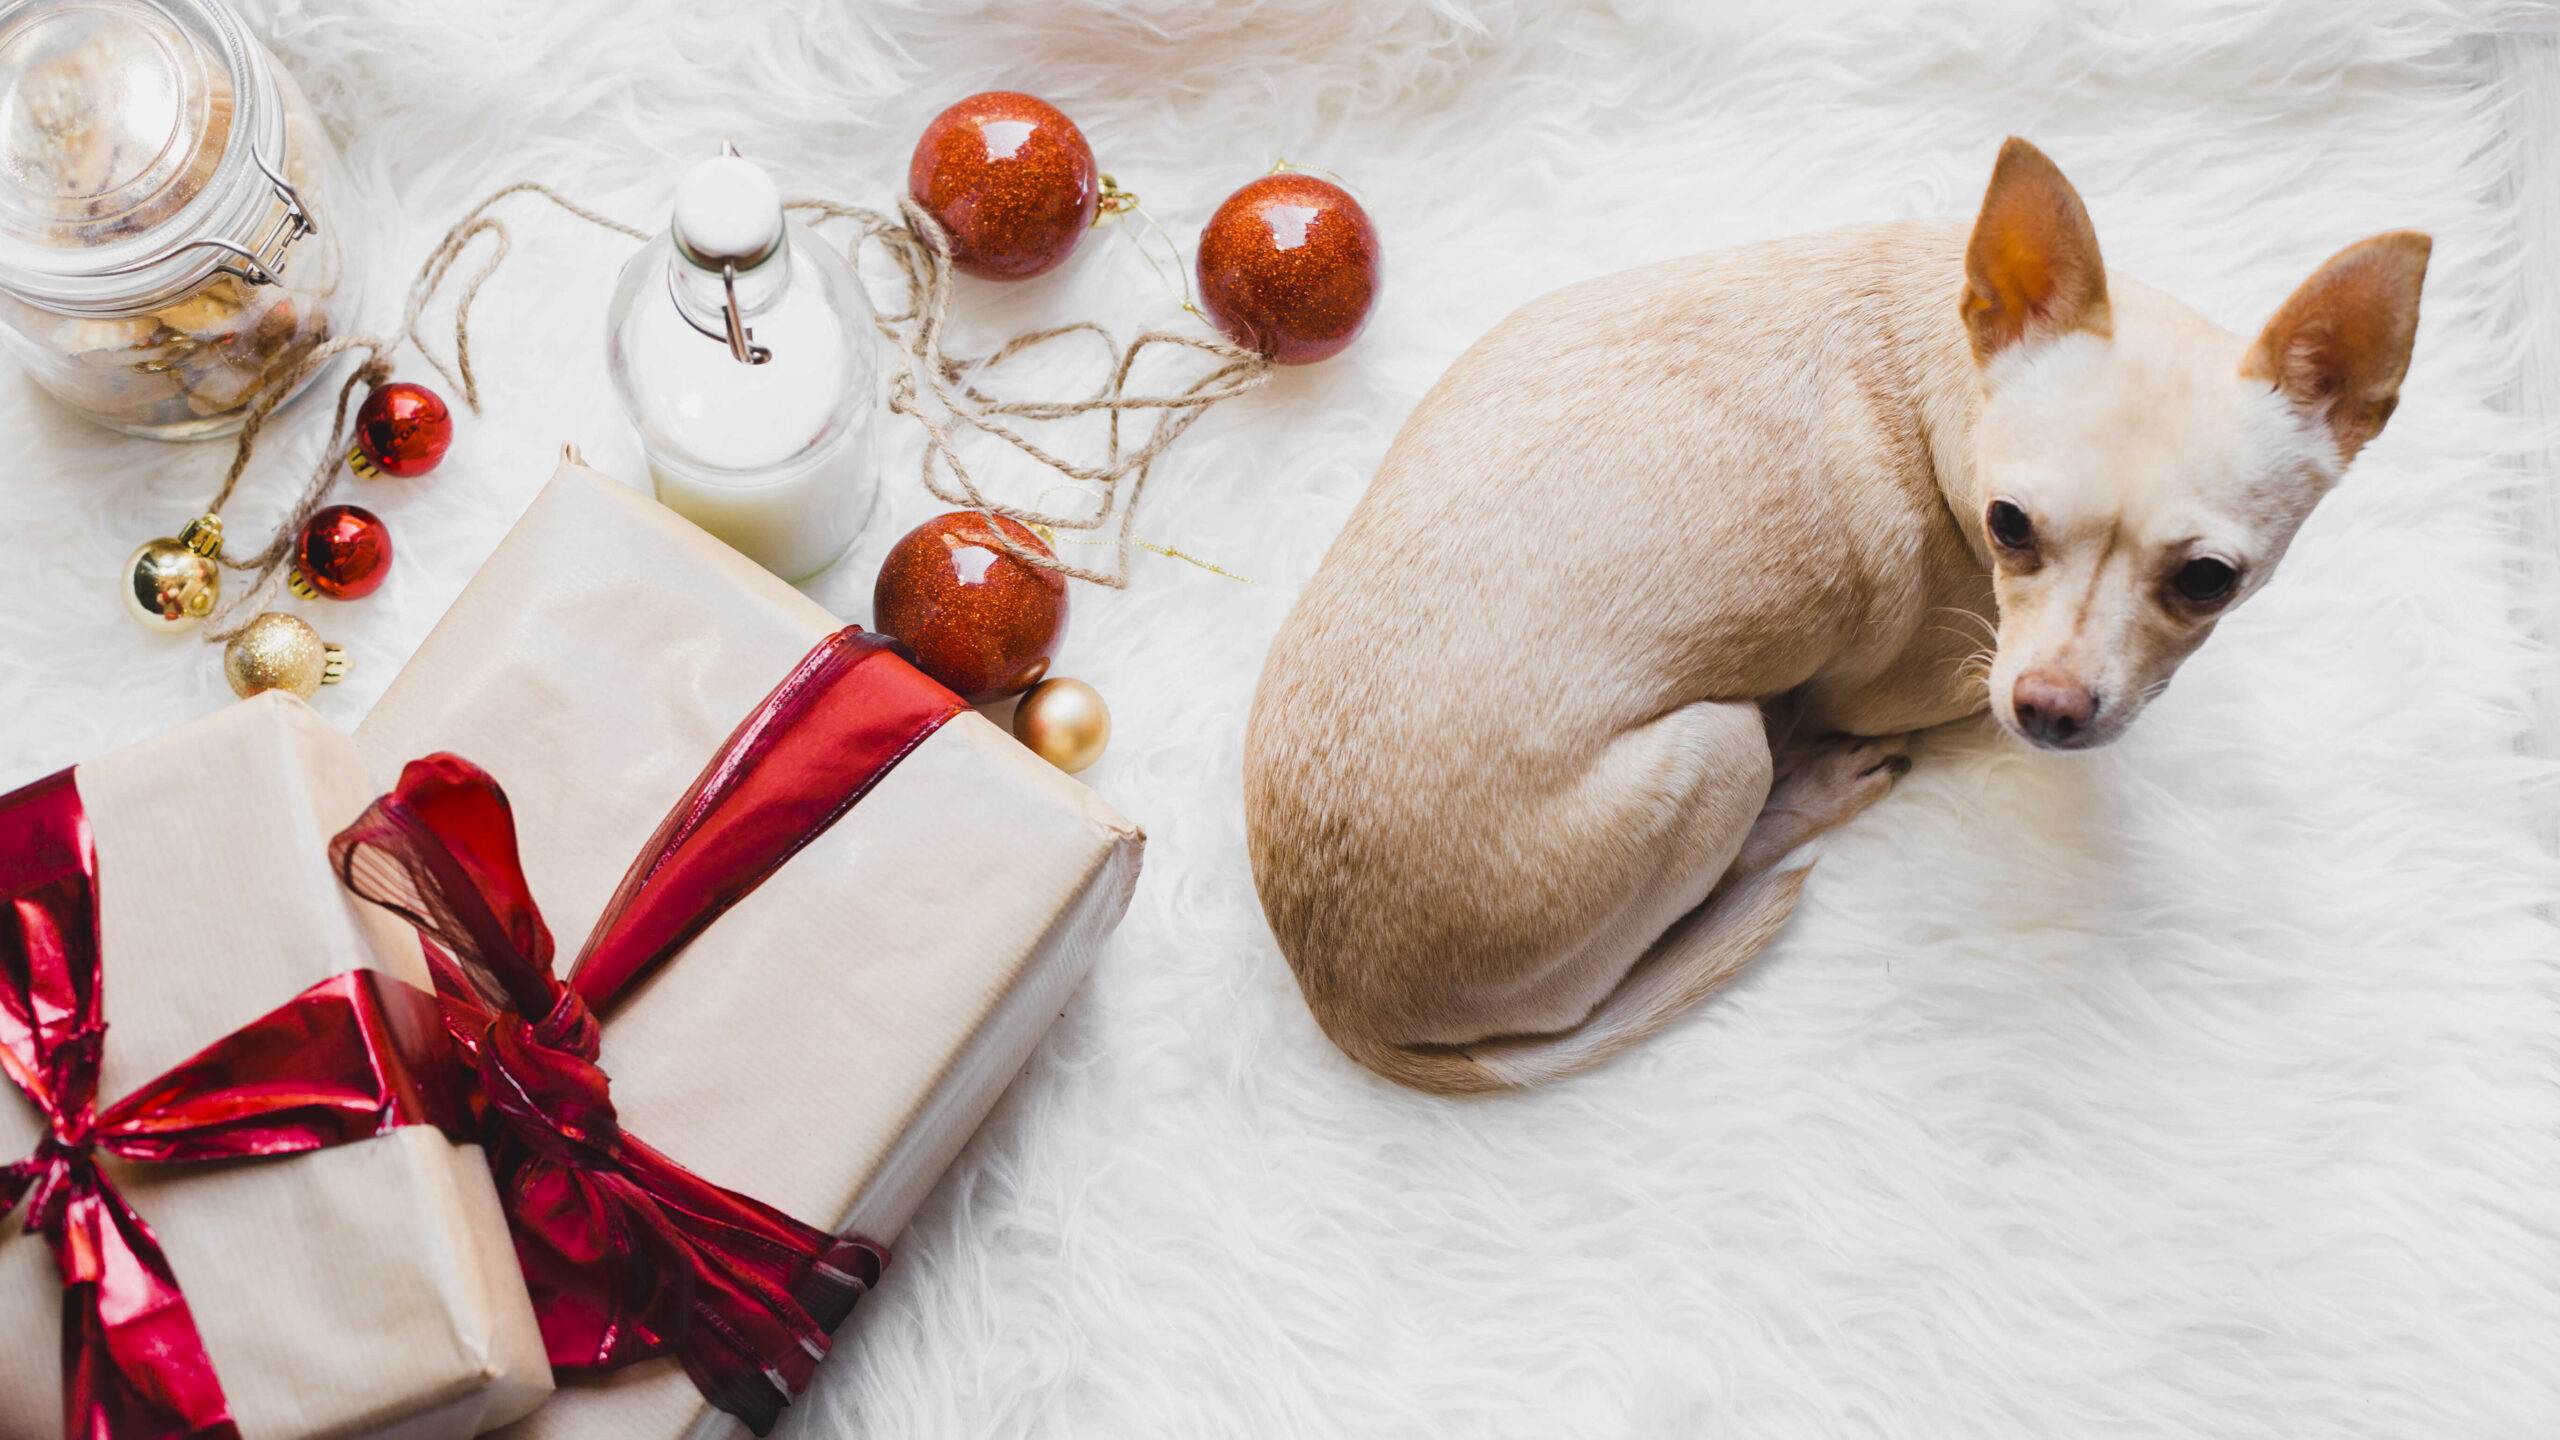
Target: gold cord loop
1115,201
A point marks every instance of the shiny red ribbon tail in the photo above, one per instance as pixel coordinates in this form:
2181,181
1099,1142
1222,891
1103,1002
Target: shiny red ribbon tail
134,1366
755,1262
834,728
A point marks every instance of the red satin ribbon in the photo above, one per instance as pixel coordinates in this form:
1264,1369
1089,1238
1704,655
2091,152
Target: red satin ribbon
354,1056
628,1254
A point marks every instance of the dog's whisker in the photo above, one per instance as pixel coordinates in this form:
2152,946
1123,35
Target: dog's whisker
1990,629
1977,667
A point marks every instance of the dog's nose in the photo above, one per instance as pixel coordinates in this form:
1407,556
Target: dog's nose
2052,710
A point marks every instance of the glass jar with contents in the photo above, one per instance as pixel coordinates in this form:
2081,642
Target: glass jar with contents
744,351
169,246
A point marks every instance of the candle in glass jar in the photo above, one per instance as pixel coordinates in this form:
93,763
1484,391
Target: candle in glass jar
743,350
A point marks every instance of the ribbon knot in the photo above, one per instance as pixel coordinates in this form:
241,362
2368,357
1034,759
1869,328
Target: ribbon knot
544,1084
571,1027
73,1133
47,1179
58,1150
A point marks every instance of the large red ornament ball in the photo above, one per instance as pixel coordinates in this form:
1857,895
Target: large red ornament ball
980,621
1011,178
343,552
1289,266
402,429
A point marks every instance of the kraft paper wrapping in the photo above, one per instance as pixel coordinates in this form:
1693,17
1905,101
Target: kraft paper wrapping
364,1290
828,1045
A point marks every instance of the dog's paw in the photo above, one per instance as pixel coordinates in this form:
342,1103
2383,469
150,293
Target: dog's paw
1820,785
1843,773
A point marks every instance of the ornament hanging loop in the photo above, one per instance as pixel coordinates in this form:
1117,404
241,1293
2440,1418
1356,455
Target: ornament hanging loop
1177,280
1285,166
1113,202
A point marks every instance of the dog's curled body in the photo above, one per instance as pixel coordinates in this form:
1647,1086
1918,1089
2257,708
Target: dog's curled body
1479,786
1654,581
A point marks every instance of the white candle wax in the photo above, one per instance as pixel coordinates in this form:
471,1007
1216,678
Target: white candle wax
793,521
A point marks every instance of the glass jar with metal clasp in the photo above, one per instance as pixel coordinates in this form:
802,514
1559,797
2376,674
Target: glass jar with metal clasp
168,243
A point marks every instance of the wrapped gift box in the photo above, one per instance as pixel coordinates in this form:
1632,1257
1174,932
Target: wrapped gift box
828,1045
368,1289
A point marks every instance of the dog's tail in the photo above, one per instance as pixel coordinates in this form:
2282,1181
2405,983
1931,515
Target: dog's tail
1692,960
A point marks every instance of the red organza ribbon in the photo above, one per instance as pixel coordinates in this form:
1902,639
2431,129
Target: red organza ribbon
627,1253
354,1056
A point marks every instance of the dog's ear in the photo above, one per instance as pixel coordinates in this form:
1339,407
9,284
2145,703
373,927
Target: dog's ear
2338,347
2032,271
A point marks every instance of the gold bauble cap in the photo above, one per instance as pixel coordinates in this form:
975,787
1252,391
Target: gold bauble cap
277,651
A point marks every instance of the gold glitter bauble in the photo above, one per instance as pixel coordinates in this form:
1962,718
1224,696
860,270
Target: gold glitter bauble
277,651
172,584
1064,722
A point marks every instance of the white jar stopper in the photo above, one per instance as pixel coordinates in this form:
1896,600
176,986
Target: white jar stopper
727,213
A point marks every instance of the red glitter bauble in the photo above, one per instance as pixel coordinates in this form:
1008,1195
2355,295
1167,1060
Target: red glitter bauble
1012,180
343,552
402,429
980,621
1289,266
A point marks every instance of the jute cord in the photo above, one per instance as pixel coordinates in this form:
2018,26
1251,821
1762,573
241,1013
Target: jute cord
940,391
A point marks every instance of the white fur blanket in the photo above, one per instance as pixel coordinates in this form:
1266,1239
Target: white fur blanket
2201,1086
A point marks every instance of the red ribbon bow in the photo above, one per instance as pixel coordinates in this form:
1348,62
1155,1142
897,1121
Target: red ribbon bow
354,1056
628,1254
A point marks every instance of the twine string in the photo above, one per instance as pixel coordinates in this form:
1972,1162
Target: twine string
234,614
942,392
441,260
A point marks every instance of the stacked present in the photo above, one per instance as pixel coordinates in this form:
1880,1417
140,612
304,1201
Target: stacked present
184,984
326,1139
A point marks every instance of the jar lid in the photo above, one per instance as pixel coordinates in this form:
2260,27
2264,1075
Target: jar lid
126,136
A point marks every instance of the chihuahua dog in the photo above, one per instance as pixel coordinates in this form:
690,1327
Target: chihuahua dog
1657,581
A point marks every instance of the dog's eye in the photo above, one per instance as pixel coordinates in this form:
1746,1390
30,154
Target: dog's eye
2009,525
2205,580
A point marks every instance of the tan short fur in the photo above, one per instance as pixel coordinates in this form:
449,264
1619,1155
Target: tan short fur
1653,581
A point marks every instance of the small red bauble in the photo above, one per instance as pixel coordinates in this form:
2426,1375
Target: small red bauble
1289,266
402,429
343,552
980,621
1011,178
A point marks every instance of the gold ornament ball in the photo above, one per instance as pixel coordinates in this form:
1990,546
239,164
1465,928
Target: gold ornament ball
170,584
277,651
1064,722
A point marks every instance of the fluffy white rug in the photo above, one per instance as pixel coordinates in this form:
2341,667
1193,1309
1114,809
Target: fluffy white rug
2204,1085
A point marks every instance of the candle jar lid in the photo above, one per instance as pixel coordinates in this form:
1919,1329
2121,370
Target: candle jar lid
141,153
